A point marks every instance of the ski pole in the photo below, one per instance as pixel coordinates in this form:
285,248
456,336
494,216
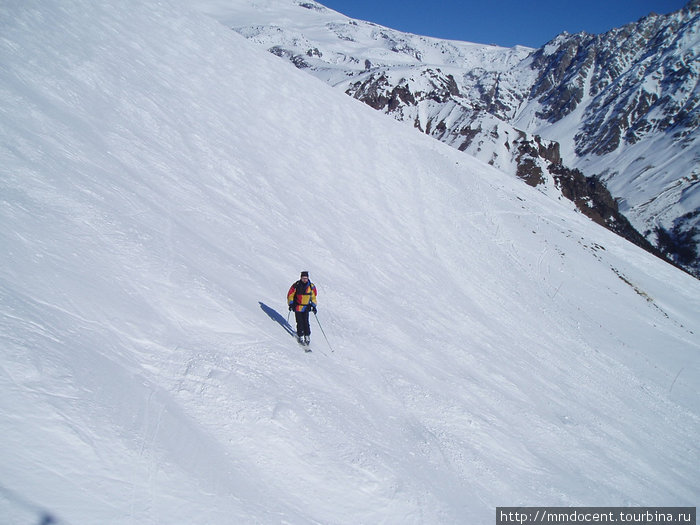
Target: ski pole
323,332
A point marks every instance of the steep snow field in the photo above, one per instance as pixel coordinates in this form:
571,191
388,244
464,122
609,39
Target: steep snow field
163,182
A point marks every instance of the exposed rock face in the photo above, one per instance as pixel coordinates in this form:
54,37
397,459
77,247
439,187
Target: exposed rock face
646,72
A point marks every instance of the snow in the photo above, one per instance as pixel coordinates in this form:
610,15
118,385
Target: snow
164,181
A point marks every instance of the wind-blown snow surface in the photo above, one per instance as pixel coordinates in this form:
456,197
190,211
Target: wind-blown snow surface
162,184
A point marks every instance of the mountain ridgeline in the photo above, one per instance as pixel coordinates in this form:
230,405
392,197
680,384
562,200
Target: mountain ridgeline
608,121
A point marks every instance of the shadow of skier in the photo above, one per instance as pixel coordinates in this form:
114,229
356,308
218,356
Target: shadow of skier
276,316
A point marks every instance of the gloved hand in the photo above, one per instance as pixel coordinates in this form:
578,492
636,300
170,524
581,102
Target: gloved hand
291,307
313,309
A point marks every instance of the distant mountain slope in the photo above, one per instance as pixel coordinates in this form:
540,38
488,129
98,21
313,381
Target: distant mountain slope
620,108
625,105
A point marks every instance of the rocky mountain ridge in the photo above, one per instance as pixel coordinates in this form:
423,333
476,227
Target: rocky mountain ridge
633,93
619,109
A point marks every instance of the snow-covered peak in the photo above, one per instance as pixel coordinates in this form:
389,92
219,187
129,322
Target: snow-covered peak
308,28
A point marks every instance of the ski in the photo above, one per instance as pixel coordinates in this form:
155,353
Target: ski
304,345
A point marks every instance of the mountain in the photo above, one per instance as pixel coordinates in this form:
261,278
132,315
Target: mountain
646,148
609,121
163,182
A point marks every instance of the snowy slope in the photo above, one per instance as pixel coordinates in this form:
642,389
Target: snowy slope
162,183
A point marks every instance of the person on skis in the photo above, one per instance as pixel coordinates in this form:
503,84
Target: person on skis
301,299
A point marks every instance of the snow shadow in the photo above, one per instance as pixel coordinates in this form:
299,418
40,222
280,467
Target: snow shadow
279,318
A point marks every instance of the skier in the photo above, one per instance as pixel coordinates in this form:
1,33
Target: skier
301,298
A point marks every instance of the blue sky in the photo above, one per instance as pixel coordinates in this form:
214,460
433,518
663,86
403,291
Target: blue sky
503,22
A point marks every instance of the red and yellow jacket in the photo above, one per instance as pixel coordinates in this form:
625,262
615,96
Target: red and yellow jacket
302,296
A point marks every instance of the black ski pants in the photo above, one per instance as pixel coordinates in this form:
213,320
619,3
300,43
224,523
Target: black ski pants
303,327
